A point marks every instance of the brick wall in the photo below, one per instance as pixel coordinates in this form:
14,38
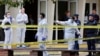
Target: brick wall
6,53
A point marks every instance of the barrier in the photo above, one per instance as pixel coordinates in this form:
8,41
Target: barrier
31,43
64,52
39,52
50,26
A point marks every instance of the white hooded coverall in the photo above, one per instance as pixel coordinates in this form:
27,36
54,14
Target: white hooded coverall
42,34
8,32
21,20
69,33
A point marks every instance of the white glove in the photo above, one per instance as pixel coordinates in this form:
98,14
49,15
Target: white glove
56,21
80,41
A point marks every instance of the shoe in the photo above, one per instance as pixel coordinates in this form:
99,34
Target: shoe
24,46
42,47
18,46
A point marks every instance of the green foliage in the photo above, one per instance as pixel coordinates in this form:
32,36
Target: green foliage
13,3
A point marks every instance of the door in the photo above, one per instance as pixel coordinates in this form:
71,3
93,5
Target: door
61,7
31,8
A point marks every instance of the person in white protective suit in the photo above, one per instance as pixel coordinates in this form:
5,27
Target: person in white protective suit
8,19
69,33
21,20
41,34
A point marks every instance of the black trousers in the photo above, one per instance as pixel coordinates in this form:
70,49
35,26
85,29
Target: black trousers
76,46
91,46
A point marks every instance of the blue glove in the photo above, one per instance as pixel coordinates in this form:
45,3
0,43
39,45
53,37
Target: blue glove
43,38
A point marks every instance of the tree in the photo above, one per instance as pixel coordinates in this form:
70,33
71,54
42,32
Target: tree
13,3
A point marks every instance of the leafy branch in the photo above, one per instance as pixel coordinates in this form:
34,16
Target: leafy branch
13,3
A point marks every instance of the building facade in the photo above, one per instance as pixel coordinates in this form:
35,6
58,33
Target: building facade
54,10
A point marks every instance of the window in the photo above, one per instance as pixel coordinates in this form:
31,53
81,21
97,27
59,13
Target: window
94,6
2,11
87,9
42,8
73,8
61,7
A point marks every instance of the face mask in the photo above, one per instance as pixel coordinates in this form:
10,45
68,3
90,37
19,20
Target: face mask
8,16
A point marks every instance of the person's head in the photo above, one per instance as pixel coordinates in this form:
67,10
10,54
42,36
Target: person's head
42,15
67,13
91,17
22,10
75,17
93,11
7,14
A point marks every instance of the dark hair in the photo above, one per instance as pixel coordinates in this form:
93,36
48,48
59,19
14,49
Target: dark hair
94,9
6,13
43,15
76,15
73,18
90,15
67,11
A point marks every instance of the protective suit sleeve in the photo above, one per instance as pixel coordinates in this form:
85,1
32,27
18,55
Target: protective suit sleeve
37,33
38,29
77,30
26,19
3,23
62,22
79,36
45,30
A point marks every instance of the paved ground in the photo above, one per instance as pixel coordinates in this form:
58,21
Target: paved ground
81,54
26,53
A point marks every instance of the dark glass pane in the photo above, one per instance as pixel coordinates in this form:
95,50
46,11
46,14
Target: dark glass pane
2,11
94,6
31,9
62,7
87,9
